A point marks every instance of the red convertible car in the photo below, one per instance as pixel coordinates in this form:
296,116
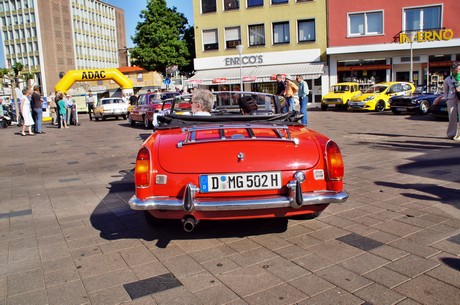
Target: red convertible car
234,165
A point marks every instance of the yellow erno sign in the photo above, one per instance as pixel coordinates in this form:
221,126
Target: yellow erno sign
427,36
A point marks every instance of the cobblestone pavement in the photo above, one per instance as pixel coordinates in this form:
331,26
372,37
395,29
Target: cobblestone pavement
68,237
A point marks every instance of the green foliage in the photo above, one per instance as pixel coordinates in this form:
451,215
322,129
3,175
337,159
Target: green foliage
159,38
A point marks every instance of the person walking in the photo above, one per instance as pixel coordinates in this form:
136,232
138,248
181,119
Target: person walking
451,93
26,112
37,110
90,104
303,97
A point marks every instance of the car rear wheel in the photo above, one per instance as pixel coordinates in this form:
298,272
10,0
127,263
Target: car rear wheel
424,107
147,122
308,216
380,106
323,107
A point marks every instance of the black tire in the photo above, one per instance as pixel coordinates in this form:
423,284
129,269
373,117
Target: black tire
324,107
395,111
152,220
4,124
147,123
104,118
116,118
345,106
124,116
424,107
380,106
96,118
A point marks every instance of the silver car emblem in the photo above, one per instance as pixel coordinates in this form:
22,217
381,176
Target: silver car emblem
241,156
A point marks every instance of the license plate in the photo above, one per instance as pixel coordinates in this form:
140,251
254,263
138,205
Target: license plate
240,182
332,105
401,109
444,109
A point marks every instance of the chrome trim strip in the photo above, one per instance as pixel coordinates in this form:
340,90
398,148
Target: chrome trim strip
233,204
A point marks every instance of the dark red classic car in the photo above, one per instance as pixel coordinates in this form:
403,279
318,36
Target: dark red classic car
231,165
147,104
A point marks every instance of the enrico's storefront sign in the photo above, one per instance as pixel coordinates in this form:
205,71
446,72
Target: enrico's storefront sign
245,60
427,36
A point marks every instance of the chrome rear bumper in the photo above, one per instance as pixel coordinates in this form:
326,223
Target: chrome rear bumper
189,204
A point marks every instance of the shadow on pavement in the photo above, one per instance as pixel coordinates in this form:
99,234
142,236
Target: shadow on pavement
115,220
453,263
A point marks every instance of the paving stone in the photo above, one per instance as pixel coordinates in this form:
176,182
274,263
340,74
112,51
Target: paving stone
360,242
85,252
69,294
389,252
178,295
284,269
335,251
25,282
149,270
138,255
378,294
37,297
99,264
253,256
61,277
58,264
304,241
218,294
281,294
364,263
113,295
109,279
335,296
311,284
386,277
414,247
249,280
397,228
412,265
313,262
343,278
427,290
447,274
213,253
182,265
245,244
199,281
271,242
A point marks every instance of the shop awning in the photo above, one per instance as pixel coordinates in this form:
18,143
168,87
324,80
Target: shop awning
256,73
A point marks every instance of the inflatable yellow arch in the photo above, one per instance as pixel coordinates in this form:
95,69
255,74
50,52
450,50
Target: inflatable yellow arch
92,75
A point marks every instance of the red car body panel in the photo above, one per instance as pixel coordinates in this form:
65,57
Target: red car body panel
175,164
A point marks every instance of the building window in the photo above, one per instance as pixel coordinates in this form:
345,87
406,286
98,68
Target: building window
306,30
279,1
210,41
423,18
255,3
232,37
281,32
208,6
257,35
231,4
370,23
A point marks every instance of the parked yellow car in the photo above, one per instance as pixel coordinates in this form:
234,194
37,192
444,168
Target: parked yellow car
339,95
376,98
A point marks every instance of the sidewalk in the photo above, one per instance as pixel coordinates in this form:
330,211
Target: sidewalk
67,235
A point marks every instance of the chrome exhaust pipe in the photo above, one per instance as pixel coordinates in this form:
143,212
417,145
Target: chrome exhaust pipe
189,223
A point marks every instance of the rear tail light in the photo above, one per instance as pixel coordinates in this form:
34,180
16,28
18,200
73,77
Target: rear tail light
335,166
142,169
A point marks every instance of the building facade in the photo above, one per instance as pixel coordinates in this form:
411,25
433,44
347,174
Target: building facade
392,40
50,37
248,42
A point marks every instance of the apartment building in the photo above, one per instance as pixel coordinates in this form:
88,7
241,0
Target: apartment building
386,40
50,37
250,41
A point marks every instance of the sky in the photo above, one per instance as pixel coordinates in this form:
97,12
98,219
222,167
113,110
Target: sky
132,10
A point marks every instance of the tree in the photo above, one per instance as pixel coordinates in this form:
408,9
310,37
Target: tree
189,37
12,75
159,38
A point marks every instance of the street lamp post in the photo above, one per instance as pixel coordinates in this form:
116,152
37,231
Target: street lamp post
411,38
240,51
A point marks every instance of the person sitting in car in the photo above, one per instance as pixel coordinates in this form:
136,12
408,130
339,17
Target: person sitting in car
247,105
202,102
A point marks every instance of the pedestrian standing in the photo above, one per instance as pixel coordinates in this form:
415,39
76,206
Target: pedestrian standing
37,110
26,112
303,97
62,112
57,97
90,104
69,107
53,107
451,92
280,88
289,92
